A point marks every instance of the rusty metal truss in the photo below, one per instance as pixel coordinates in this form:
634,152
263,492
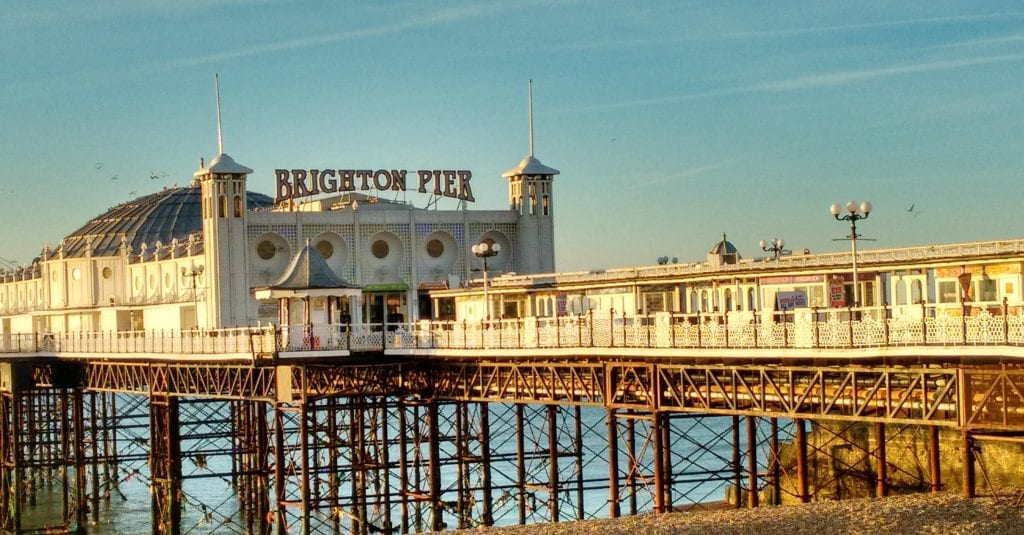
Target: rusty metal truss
216,381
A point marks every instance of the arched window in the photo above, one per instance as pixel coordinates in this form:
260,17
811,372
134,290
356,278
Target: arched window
728,299
222,209
703,300
238,206
901,293
750,299
533,204
547,205
915,292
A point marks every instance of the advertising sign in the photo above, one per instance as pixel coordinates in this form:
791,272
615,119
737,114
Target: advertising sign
836,293
791,300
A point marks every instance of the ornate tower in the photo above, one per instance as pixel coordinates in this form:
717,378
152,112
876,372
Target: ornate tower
224,240
531,195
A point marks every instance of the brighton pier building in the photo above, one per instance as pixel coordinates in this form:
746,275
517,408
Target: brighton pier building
328,249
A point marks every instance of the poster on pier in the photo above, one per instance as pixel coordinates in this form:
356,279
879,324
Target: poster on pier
789,300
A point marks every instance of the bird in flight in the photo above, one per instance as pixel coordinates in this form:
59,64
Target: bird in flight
911,209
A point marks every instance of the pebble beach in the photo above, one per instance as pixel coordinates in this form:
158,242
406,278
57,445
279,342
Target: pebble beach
943,513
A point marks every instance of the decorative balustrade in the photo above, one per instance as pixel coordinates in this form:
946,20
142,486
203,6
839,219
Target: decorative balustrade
907,326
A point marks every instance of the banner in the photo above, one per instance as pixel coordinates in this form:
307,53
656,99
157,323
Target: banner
790,300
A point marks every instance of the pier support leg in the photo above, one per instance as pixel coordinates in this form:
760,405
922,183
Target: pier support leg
520,464
613,465
968,475
774,470
752,495
881,468
737,469
165,464
801,460
658,458
553,476
434,445
933,459
485,464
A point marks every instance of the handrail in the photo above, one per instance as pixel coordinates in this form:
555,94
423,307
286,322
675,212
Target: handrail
923,325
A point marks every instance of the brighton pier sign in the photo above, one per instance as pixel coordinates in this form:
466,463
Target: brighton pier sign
296,183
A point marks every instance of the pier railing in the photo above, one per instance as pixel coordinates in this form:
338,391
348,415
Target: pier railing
808,328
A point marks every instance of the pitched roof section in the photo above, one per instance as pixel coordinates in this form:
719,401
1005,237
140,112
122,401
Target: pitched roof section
309,271
529,166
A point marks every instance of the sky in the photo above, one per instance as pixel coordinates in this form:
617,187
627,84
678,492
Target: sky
671,122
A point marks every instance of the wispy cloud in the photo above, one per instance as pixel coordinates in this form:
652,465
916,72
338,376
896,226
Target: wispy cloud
804,83
845,77
870,25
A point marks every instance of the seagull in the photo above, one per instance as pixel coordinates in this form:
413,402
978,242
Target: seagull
113,177
99,165
911,209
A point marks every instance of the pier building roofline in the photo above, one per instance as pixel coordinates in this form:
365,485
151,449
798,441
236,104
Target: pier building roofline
933,254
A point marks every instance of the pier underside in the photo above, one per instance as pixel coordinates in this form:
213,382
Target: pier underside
407,445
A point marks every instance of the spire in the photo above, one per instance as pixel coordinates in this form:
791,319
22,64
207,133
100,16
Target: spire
531,117
220,132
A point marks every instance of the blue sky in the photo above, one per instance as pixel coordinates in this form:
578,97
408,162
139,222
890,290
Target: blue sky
671,122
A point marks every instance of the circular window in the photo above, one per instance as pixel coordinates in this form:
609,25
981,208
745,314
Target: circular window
380,248
138,282
266,249
167,280
435,248
107,273
325,249
76,274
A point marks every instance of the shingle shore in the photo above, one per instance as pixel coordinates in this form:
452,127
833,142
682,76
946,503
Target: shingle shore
944,513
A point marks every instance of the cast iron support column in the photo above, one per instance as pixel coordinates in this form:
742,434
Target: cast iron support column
801,460
436,512
520,464
613,465
553,479
657,461
737,469
933,458
773,463
881,489
280,461
81,496
752,497
165,463
633,463
968,445
578,446
485,462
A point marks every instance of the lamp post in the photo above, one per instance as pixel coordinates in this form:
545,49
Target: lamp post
774,246
485,250
193,272
854,215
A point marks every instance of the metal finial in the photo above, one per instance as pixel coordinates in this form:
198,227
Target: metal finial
220,132
531,118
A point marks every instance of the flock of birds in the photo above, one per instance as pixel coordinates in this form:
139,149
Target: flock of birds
152,176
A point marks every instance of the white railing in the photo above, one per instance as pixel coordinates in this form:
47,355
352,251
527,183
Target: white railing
914,325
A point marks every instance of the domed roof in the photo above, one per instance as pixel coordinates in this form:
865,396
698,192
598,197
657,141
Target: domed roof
529,166
724,247
161,216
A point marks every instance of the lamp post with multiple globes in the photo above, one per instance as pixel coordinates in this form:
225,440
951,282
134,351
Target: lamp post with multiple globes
854,214
485,250
774,246
193,272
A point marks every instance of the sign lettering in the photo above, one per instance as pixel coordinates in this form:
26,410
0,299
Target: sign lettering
296,183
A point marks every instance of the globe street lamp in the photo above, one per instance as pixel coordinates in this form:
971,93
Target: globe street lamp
193,272
853,216
774,246
485,250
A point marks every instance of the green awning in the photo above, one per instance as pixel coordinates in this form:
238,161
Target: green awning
390,287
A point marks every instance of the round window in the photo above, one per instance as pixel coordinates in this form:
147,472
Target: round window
167,280
76,274
380,248
435,248
266,249
325,249
138,282
107,273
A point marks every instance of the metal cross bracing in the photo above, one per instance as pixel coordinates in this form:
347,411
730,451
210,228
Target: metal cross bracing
916,394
